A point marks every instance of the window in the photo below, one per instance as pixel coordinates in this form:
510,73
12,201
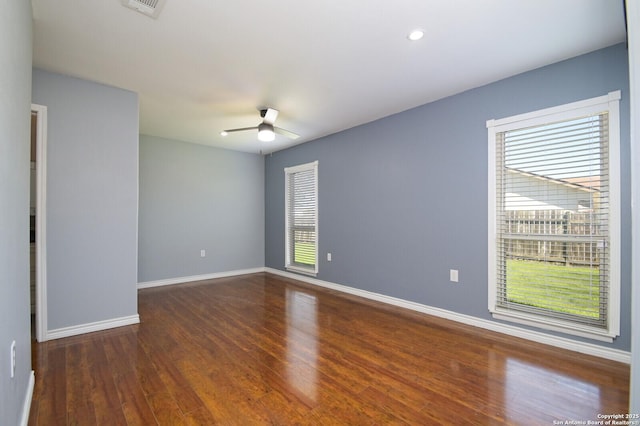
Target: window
301,217
554,218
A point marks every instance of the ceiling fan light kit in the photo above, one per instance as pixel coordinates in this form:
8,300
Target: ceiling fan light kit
266,130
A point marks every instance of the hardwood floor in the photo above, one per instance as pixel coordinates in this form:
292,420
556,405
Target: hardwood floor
260,349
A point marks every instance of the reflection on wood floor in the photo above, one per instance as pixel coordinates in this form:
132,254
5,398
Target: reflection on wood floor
261,349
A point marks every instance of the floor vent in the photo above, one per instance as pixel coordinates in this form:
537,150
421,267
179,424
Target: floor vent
147,7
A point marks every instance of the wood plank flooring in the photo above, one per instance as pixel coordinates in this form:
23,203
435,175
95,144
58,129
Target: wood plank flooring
260,349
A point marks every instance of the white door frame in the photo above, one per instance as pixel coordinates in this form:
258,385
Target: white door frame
41,222
633,40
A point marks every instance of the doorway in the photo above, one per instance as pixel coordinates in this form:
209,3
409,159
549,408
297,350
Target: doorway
37,215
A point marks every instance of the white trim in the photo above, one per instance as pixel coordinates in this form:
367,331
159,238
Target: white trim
559,113
75,330
137,145
300,270
182,280
560,342
633,34
28,397
492,226
610,103
533,320
41,222
301,167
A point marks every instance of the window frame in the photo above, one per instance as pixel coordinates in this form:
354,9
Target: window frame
289,264
610,104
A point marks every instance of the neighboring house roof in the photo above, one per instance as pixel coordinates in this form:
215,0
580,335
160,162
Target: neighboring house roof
587,183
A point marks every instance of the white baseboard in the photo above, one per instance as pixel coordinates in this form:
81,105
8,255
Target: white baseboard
28,397
556,341
182,280
91,327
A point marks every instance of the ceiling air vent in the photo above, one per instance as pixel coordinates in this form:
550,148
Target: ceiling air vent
147,7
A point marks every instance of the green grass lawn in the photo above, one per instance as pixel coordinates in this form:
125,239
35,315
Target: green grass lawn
573,289
305,253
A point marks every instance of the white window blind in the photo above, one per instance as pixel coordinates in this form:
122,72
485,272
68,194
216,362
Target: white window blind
554,246
301,198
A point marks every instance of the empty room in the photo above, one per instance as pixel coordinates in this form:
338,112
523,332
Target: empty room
353,213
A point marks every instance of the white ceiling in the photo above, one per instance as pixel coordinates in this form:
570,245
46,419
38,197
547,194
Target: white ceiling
207,65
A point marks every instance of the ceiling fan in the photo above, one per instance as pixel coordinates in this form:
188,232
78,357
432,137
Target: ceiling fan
266,129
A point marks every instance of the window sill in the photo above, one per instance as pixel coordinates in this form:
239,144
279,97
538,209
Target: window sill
554,325
303,271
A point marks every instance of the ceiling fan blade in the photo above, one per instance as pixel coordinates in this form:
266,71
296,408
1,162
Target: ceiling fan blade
240,129
286,133
270,115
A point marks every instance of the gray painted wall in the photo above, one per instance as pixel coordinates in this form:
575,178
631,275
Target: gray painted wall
404,199
15,107
92,199
194,197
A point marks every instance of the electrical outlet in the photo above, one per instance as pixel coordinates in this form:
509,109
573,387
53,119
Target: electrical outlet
203,253
453,275
13,359
328,257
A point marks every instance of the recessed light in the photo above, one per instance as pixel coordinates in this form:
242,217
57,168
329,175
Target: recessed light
415,35
223,133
